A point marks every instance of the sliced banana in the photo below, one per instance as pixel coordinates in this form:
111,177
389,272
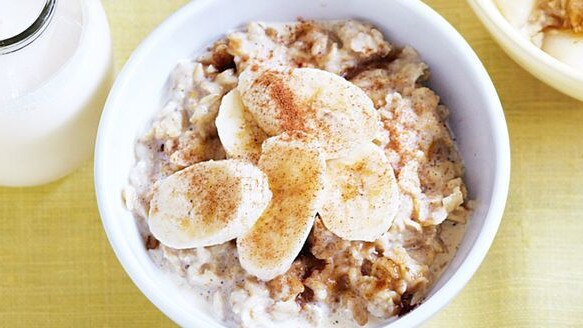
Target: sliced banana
565,46
239,134
517,12
296,170
314,101
362,195
208,203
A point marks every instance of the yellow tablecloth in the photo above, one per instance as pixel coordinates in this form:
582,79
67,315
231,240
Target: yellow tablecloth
57,268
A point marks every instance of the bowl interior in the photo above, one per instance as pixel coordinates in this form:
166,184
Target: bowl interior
476,119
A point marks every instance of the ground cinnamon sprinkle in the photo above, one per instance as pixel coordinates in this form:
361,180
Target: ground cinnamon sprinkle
290,113
380,279
215,204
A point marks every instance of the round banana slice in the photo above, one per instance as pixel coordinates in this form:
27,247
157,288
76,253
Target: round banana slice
517,12
314,101
565,46
295,169
239,134
362,195
208,203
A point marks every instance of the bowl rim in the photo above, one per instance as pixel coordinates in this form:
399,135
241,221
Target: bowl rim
423,312
528,49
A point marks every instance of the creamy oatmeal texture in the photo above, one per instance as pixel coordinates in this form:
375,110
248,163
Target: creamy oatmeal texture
358,157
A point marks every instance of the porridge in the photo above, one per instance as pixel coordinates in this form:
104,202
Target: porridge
301,174
555,26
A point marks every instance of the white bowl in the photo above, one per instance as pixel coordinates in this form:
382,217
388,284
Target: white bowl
540,64
457,75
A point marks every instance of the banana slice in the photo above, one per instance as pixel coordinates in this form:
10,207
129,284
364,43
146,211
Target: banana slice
314,101
517,12
239,134
296,171
565,46
362,195
208,203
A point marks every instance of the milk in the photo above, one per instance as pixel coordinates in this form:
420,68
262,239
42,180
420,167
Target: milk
52,91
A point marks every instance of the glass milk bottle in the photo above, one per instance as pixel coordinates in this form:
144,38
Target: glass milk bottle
55,73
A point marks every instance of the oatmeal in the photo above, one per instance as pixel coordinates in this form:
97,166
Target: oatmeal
555,26
301,174
559,14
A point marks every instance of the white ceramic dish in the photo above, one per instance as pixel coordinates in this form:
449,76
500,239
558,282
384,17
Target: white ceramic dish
457,75
540,64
